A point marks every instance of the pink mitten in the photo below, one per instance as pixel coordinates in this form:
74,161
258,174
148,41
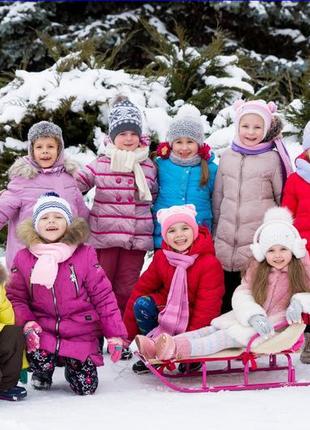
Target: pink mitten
115,347
31,331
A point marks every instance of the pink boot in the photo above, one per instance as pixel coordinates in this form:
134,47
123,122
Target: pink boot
146,346
168,347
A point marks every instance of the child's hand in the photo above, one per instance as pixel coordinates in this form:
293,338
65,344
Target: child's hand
31,331
293,312
261,325
115,347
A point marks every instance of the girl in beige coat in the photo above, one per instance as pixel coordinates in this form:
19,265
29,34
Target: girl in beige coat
249,181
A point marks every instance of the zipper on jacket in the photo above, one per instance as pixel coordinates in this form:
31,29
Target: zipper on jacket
73,278
237,218
57,321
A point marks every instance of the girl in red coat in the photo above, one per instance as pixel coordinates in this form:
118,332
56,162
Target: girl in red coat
182,288
296,196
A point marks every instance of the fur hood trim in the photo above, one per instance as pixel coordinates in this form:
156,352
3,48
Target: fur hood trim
21,168
3,274
76,234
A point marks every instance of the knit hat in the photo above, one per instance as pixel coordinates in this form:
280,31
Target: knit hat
277,229
124,116
45,129
51,202
306,137
257,107
174,214
186,123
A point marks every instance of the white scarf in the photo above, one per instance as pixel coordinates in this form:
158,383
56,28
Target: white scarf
129,161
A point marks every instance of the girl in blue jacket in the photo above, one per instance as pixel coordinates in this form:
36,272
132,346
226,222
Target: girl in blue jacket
186,170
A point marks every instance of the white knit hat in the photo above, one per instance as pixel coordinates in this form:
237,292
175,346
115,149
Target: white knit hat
51,202
277,229
186,123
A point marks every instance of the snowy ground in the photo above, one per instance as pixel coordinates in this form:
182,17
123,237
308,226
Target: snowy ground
128,401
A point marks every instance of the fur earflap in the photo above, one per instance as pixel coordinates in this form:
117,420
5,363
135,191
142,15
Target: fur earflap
3,274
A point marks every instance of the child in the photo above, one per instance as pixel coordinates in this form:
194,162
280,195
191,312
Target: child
296,198
121,223
249,180
43,169
186,170
63,310
182,288
274,289
11,348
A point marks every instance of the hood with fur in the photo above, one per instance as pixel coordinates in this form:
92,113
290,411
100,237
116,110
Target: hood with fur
28,171
76,234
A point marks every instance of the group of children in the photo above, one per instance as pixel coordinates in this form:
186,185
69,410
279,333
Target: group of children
75,273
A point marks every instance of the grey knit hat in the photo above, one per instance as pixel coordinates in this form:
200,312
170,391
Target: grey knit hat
306,137
124,116
187,123
45,129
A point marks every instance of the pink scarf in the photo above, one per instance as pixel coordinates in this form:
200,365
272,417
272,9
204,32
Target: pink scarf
49,255
174,318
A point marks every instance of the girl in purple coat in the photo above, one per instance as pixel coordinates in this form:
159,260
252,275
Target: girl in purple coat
44,169
62,298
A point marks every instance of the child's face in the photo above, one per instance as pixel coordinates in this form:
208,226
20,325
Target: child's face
52,226
278,256
127,141
185,147
180,236
45,151
251,129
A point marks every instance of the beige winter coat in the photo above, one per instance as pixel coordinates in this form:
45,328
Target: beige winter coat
245,187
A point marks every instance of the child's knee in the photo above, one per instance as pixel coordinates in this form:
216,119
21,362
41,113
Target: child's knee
144,305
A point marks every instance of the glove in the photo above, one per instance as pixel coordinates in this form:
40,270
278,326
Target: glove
31,331
293,312
115,347
261,325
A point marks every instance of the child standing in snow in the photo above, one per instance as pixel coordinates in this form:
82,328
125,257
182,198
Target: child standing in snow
249,180
63,310
182,288
296,198
275,289
43,169
11,348
121,224
186,170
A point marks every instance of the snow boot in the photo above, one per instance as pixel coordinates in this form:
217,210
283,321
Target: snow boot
305,354
40,381
13,394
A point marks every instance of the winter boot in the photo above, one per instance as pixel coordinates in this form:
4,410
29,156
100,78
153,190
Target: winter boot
146,346
168,347
40,381
13,394
126,354
140,368
305,355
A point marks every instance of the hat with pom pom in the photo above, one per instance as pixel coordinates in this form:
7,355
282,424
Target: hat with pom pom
51,202
186,123
124,116
306,137
257,107
174,214
277,229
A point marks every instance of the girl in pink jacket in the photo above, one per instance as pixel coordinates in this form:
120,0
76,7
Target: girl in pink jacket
62,298
124,178
274,289
44,169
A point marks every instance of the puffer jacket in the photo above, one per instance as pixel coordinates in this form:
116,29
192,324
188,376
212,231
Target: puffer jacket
118,218
180,185
26,185
78,309
205,281
6,310
245,187
236,322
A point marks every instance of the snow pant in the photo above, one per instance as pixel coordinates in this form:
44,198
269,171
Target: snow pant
11,355
122,267
82,376
146,314
232,280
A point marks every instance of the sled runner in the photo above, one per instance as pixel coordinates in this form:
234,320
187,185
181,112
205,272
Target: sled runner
244,361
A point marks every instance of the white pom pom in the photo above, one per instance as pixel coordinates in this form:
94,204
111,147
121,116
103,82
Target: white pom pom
188,110
278,214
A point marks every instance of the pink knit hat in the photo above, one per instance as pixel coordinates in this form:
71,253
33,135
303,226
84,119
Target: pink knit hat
257,107
174,214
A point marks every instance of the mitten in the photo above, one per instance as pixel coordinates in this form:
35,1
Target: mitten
293,312
261,325
115,347
31,331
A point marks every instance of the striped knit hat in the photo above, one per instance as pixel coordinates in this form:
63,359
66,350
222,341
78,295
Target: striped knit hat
51,202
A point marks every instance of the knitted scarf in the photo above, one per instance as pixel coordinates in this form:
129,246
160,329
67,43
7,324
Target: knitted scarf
174,318
49,256
129,161
192,161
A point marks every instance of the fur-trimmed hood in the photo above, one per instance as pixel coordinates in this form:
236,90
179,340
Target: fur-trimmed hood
24,169
76,234
3,274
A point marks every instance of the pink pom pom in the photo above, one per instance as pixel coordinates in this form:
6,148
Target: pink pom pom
272,107
238,103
